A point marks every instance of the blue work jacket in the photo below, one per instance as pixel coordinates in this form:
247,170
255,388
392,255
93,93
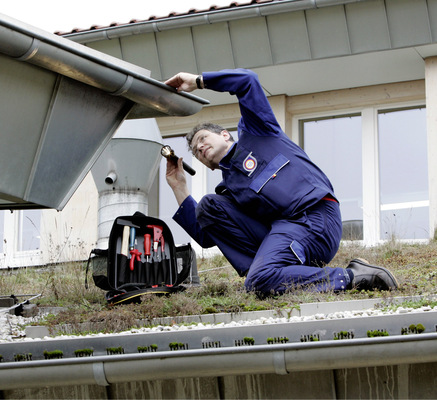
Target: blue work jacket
265,172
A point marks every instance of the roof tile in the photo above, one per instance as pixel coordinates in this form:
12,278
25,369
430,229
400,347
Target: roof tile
172,14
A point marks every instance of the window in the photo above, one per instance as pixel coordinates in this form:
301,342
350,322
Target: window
385,151
403,164
20,240
29,230
334,145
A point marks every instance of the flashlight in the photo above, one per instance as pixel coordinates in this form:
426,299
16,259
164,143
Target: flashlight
169,154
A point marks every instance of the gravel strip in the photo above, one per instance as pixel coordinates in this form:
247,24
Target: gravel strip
12,328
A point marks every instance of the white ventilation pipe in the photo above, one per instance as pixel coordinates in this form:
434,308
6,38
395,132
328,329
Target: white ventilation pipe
124,173
111,178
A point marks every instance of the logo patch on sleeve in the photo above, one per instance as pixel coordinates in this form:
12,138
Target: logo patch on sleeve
250,163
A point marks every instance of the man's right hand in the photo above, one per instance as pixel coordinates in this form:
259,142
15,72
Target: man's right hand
177,180
183,81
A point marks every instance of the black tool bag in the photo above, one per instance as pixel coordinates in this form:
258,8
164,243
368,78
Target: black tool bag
141,259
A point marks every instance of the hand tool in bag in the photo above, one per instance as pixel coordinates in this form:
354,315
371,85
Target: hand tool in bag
124,250
157,238
169,154
132,237
166,268
147,244
134,253
126,233
147,251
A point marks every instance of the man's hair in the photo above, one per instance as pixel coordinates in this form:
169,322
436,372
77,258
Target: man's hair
208,126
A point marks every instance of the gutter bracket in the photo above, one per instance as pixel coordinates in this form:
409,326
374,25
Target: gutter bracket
99,374
31,51
279,363
126,86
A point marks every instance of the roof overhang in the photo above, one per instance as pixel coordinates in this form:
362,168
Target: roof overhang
61,104
296,46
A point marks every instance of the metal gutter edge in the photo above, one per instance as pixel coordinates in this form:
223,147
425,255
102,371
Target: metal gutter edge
201,18
112,75
262,359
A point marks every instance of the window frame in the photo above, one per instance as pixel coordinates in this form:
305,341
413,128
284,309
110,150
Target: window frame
370,158
11,256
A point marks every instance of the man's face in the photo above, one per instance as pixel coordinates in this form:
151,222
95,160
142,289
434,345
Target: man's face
209,147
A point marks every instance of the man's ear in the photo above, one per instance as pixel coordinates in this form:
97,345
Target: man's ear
225,134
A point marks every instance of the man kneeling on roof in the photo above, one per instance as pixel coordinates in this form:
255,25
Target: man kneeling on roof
274,216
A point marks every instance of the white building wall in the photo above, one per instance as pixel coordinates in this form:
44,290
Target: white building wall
71,234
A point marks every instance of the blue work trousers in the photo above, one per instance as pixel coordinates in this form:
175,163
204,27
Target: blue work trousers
288,253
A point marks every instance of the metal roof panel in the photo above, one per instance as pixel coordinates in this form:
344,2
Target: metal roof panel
289,37
209,56
250,42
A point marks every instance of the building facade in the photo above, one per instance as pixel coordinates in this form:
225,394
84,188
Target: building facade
352,82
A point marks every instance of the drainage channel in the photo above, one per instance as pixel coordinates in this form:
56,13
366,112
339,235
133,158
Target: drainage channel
297,333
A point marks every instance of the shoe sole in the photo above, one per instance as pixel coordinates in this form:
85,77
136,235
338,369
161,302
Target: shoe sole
392,277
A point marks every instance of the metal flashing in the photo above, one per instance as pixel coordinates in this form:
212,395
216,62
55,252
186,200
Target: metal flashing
67,102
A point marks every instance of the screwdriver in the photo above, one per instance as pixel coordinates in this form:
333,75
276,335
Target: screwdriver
147,245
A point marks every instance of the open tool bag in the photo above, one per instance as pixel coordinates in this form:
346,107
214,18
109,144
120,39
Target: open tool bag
141,259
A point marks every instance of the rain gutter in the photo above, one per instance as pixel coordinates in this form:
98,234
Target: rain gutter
110,74
201,18
263,359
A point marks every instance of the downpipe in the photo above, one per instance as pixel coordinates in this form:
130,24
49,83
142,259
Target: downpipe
260,359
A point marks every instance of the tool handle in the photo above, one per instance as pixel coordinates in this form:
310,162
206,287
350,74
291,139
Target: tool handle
135,255
162,246
132,263
132,238
125,241
147,243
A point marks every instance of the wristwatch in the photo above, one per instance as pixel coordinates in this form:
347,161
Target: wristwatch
199,82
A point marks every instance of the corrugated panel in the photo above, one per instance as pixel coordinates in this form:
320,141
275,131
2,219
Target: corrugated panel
288,37
365,36
176,51
141,50
408,22
304,31
111,47
213,47
328,32
26,104
250,42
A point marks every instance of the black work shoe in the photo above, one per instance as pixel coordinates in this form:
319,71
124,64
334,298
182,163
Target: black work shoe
371,277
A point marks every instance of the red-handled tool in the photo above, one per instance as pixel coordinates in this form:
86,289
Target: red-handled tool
147,246
134,255
157,237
